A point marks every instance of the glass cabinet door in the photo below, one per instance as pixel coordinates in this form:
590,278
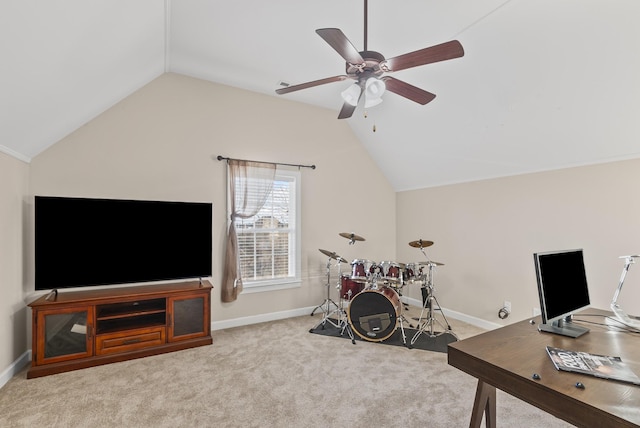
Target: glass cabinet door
64,335
190,317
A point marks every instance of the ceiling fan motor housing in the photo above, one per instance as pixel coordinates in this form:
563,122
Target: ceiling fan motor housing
370,67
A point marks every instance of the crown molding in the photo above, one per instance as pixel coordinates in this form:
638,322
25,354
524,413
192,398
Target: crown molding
15,154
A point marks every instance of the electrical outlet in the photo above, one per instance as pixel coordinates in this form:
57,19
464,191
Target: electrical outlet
507,306
536,312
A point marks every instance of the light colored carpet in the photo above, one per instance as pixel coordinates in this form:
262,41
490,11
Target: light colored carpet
275,374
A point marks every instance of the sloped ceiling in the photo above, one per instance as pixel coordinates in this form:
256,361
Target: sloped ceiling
543,84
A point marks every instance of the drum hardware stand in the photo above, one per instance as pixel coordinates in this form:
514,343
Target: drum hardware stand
405,307
428,299
341,323
328,302
401,318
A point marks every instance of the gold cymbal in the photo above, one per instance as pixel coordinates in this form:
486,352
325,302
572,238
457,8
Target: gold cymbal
430,262
420,243
332,255
351,236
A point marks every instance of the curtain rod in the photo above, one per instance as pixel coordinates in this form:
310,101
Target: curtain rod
270,163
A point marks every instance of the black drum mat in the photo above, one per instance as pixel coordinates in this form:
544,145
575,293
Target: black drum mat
424,342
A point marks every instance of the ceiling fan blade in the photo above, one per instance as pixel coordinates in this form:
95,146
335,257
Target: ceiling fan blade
441,52
337,40
408,91
346,111
294,88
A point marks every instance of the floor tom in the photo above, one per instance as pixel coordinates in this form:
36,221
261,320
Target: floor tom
349,288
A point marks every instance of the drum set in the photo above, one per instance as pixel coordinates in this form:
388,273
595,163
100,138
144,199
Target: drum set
369,296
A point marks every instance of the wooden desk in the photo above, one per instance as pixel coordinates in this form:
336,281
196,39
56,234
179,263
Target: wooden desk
508,357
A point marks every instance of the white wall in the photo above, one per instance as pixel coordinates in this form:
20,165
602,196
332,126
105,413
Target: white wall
161,143
487,231
14,315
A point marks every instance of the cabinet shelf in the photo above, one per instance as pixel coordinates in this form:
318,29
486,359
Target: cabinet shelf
124,309
132,322
129,315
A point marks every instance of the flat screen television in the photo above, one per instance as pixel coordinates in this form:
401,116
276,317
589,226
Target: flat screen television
83,242
563,290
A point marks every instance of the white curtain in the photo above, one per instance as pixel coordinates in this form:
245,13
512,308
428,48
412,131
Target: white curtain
241,173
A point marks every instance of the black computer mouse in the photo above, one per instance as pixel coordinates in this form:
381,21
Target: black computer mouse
579,385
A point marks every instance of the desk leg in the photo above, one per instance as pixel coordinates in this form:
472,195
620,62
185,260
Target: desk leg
485,403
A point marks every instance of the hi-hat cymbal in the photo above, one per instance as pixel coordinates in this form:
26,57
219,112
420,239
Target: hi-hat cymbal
420,243
351,236
332,255
431,262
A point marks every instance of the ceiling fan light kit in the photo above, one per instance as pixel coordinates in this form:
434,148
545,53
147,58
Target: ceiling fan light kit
367,68
374,88
351,95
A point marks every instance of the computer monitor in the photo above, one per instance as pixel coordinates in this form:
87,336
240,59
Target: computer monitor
562,288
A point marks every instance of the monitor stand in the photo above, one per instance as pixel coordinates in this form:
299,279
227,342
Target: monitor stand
563,327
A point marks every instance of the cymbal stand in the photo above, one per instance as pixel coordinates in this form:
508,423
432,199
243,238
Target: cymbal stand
405,306
326,305
341,323
428,299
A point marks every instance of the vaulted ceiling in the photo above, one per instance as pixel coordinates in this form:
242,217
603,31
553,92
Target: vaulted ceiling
543,84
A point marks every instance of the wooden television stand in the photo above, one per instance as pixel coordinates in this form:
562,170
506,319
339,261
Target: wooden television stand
79,329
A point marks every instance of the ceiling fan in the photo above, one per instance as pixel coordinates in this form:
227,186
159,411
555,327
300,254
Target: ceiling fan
367,68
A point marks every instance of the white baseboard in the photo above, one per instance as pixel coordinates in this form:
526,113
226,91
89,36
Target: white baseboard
15,368
256,319
478,322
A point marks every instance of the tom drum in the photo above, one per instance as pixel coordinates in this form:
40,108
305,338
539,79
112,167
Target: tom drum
361,270
390,271
413,272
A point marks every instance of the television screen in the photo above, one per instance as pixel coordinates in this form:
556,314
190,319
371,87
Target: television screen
85,242
562,287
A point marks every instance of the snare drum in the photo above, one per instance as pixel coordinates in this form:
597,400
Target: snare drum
373,314
349,288
361,270
391,271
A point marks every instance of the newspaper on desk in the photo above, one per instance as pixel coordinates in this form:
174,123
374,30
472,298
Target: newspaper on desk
602,366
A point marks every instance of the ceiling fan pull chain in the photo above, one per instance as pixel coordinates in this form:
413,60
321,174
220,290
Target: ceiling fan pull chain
366,115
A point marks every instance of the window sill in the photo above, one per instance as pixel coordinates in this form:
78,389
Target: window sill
259,288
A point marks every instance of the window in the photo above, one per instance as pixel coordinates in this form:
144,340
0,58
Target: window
269,242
